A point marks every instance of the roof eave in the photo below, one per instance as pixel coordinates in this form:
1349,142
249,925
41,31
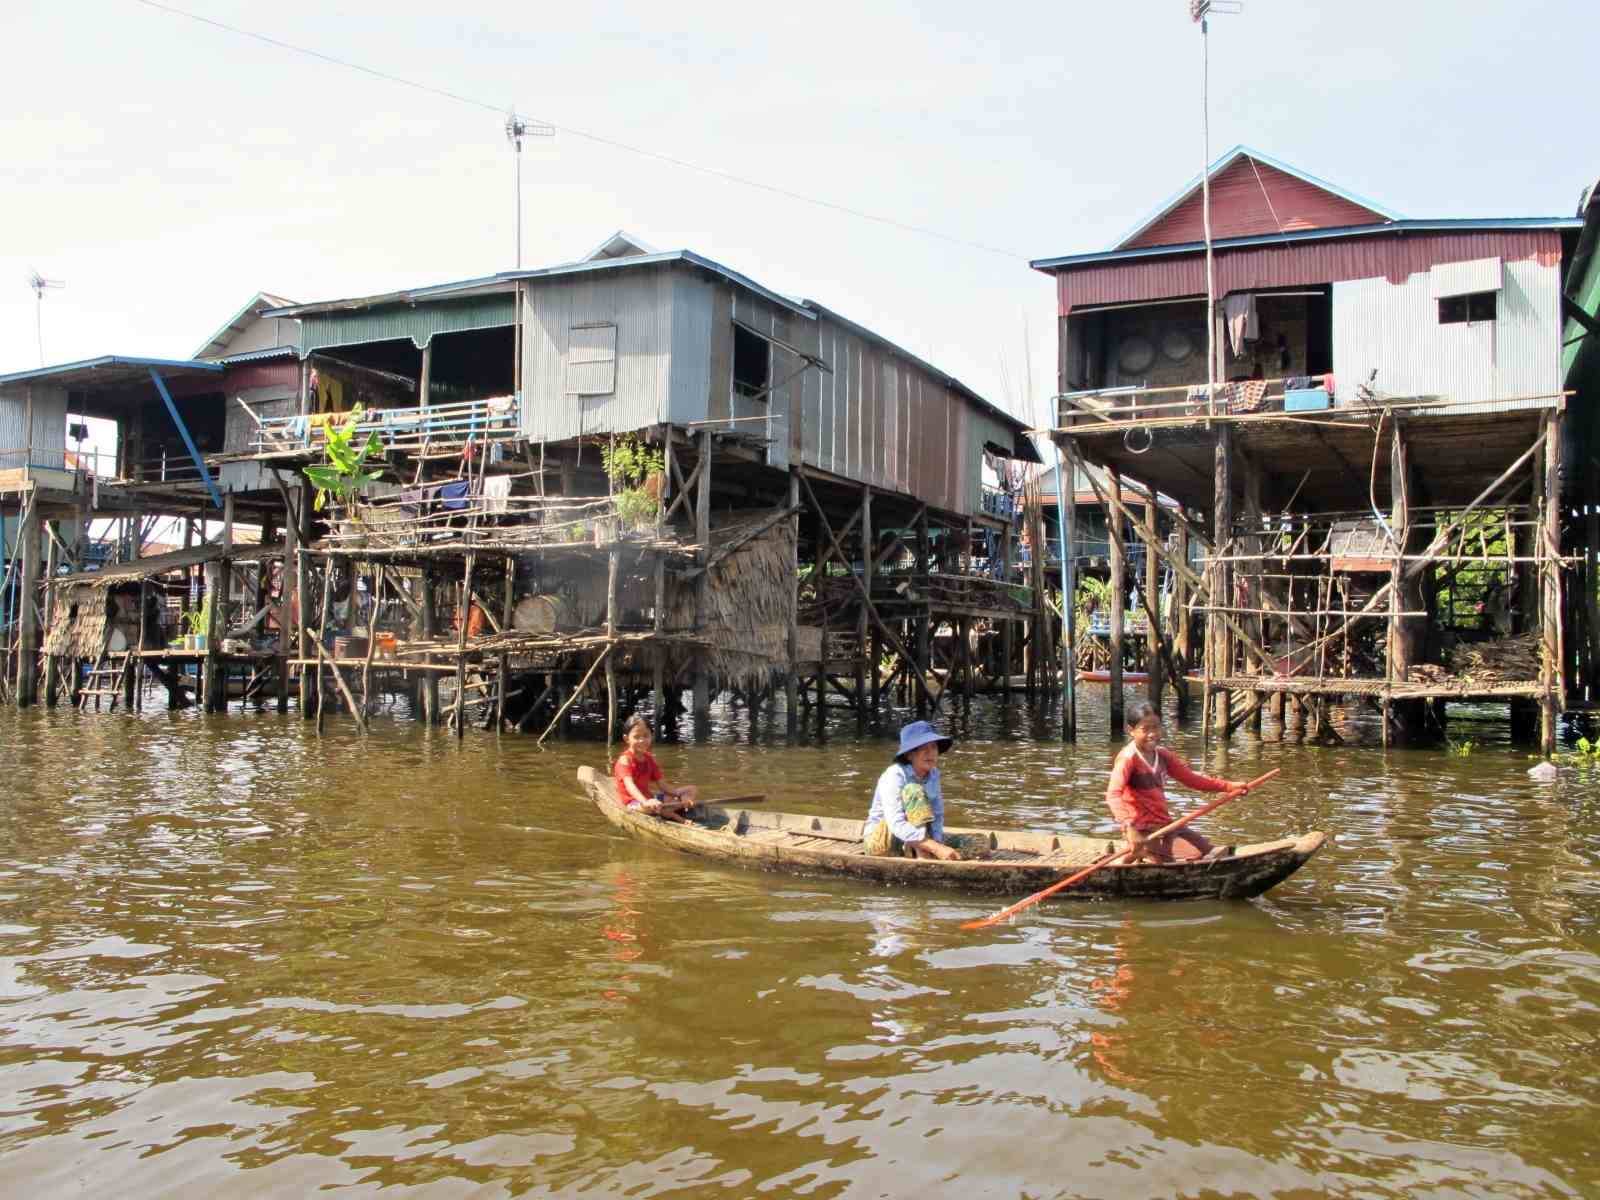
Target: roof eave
1446,225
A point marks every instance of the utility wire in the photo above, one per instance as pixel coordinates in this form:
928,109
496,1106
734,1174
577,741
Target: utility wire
598,139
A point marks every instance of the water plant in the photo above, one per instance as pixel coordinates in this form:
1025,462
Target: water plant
1460,749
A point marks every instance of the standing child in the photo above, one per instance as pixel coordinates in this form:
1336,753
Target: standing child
639,780
1137,796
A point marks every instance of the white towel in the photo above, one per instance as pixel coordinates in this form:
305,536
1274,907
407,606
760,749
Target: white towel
495,490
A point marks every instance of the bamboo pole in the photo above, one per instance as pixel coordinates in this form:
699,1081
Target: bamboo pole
322,631
508,603
576,692
372,639
1552,666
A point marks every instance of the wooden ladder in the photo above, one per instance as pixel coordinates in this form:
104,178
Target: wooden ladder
106,679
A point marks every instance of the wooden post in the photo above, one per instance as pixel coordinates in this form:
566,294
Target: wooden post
863,662
372,641
1118,602
28,618
1219,641
287,625
1008,627
791,686
613,563
52,663
1256,622
1154,636
1551,695
427,620
425,375
216,694
1181,617
300,560
702,583
322,632
1067,493
508,604
460,714
925,617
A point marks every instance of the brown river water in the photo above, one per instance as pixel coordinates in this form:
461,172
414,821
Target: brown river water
237,959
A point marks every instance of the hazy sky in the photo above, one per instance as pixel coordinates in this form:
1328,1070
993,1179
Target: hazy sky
167,170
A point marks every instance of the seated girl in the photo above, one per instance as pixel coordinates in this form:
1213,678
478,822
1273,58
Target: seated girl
638,776
1137,796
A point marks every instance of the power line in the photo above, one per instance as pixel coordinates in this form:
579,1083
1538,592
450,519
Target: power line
597,139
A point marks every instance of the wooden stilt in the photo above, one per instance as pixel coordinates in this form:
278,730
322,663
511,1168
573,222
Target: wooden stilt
1119,600
613,563
1552,658
791,683
459,715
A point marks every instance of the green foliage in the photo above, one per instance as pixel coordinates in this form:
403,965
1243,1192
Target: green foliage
636,507
629,464
343,473
199,619
1588,752
1461,749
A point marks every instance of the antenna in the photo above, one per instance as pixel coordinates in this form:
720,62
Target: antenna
1199,12
39,283
518,128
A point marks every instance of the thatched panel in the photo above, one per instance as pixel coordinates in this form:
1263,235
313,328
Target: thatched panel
749,604
78,625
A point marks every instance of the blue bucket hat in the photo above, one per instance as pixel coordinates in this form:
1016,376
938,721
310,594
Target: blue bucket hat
920,733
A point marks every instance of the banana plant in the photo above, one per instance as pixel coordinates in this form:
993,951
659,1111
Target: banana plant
343,472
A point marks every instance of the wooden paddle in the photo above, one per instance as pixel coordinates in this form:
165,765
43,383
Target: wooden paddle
1013,909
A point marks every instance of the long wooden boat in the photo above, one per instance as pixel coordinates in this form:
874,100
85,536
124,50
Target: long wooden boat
995,862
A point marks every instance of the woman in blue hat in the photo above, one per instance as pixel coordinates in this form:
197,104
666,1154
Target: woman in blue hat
907,814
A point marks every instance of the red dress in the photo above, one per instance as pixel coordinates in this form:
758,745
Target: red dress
1137,793
644,771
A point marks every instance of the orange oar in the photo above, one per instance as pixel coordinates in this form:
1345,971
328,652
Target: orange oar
995,919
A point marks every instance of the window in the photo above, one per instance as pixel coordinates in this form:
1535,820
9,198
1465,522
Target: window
592,360
1463,310
752,364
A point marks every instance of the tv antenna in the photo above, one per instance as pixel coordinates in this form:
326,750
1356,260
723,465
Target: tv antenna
518,128
1200,12
39,284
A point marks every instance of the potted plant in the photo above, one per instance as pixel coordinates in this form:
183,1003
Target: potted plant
342,474
199,620
635,473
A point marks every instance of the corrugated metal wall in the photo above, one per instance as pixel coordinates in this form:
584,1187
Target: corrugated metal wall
881,420
1252,197
1395,328
1392,257
641,305
48,437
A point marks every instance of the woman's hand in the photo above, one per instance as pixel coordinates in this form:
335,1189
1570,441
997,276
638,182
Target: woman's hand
650,806
942,852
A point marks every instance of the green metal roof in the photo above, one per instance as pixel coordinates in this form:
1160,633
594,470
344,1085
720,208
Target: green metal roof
417,320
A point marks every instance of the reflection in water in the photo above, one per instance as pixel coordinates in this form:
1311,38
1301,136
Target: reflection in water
235,958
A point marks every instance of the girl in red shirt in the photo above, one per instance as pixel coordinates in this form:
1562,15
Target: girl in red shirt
639,780
1137,797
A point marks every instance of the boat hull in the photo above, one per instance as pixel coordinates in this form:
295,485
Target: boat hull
996,862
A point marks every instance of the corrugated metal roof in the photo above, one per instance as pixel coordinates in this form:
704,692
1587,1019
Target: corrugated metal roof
113,370
635,261
258,355
1443,225
486,284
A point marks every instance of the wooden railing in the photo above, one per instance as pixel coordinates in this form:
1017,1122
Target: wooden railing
437,426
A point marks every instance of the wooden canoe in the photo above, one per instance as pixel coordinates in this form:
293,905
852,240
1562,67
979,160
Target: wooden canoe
997,862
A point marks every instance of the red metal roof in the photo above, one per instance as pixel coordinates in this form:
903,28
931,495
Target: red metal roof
1395,256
